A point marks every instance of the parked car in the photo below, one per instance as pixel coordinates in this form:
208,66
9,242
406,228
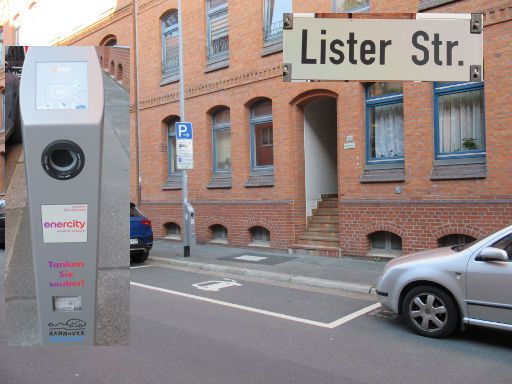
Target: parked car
141,235
441,290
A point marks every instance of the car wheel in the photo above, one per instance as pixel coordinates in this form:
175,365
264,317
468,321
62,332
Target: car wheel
139,257
430,311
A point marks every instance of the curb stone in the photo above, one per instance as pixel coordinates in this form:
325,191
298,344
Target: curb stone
282,277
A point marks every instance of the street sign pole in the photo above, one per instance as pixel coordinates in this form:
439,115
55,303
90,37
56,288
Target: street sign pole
184,178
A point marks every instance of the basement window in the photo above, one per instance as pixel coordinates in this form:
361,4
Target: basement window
384,243
260,236
173,231
219,234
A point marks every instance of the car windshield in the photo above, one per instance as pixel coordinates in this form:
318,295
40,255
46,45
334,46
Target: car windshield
134,212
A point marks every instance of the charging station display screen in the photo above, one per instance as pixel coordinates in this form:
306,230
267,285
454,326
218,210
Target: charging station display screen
61,85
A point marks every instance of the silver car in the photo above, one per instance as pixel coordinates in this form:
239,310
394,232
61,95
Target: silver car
445,289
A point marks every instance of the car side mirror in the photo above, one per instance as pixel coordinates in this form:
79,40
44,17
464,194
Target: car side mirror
493,254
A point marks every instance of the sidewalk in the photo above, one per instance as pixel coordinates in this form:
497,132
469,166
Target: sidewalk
348,274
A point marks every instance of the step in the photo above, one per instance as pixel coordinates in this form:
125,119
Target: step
327,234
328,204
322,211
323,220
333,225
312,250
323,243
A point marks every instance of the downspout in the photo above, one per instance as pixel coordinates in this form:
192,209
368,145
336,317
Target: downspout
139,181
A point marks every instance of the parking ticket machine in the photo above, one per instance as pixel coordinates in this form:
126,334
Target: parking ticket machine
61,104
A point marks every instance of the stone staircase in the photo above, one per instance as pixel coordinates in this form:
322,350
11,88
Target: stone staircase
321,237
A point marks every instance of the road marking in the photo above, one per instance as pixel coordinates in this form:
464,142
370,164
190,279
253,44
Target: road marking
250,258
216,285
330,325
141,266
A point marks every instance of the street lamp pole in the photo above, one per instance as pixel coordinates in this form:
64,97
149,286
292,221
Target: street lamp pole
184,177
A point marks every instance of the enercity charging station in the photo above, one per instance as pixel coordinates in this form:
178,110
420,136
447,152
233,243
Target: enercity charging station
61,104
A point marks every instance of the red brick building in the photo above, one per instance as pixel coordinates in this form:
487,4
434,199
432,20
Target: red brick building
430,162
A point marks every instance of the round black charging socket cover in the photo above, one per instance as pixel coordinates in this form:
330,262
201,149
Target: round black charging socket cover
62,159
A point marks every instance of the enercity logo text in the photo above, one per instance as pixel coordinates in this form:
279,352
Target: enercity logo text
65,224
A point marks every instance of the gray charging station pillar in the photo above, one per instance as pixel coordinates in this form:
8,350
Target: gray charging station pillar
61,104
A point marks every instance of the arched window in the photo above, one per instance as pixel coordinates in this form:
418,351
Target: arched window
383,242
1,46
119,73
260,236
219,233
455,239
384,123
170,44
262,136
109,41
171,147
112,68
221,126
173,231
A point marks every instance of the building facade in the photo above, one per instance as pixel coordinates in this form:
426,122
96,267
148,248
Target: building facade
330,168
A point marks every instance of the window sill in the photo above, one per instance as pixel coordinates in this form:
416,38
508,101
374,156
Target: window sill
384,253
457,170
272,46
173,183
224,242
216,64
260,180
220,181
173,237
168,79
260,245
383,173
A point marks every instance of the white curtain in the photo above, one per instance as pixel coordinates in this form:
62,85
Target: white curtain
389,131
460,117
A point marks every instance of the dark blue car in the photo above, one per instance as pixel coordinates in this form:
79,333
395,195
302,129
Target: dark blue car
141,235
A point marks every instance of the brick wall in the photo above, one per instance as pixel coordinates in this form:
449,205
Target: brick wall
424,211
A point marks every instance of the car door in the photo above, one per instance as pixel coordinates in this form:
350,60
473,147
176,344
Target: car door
489,286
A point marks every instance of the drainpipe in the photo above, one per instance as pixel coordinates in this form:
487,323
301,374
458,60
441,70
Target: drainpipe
139,181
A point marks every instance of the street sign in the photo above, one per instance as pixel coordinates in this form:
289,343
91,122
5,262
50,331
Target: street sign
432,47
184,130
184,146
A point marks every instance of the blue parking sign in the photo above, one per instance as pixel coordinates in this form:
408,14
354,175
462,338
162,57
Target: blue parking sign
184,130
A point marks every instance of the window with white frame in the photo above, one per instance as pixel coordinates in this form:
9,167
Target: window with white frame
351,6
218,30
384,123
221,141
170,44
171,147
262,141
273,18
459,120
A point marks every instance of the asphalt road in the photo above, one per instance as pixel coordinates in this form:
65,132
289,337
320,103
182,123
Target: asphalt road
249,333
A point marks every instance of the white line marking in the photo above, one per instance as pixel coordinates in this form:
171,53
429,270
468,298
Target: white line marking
250,258
331,325
352,316
142,266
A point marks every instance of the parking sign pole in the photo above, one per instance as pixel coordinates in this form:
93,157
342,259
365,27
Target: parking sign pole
184,178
